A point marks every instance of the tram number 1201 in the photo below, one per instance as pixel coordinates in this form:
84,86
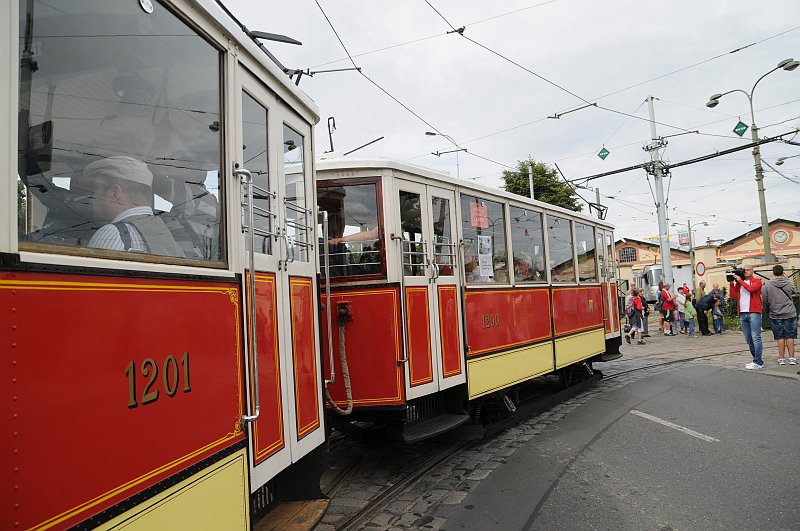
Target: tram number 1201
170,376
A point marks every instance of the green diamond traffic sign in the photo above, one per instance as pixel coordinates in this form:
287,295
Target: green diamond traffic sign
740,128
603,153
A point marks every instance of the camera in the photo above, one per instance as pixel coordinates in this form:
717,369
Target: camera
734,271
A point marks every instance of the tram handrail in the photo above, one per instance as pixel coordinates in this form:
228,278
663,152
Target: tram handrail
326,255
252,415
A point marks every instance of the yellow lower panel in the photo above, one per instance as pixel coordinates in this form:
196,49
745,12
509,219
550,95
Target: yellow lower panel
579,347
215,498
497,371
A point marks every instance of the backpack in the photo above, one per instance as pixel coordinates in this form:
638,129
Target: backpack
629,307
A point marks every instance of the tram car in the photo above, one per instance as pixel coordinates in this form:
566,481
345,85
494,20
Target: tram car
158,270
442,297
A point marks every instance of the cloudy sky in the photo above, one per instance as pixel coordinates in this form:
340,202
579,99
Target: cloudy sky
567,53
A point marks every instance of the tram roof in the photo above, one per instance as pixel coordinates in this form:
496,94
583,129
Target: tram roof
340,163
231,27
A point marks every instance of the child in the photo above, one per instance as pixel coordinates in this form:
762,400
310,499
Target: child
689,314
636,317
718,317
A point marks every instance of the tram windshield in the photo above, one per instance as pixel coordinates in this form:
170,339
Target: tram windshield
484,227
119,132
355,231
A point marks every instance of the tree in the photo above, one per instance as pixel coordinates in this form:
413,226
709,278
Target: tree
546,185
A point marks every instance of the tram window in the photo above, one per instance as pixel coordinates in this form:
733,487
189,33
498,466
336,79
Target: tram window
484,228
527,245
355,230
585,242
414,245
119,132
559,240
444,247
298,217
601,255
255,159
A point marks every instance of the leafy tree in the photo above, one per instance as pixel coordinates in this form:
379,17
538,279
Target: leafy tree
546,185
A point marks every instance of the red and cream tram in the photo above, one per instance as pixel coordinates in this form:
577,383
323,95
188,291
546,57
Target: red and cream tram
158,270
446,295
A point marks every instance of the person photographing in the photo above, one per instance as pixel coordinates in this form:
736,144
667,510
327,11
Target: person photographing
745,289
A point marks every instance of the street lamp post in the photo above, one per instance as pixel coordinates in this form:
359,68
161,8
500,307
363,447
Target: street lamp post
691,248
440,153
781,160
788,65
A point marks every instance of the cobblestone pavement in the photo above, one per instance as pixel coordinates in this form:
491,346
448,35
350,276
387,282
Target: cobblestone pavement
425,504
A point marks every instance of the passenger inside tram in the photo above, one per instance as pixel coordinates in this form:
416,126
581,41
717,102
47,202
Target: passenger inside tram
122,197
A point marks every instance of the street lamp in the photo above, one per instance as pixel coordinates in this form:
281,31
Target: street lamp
688,225
440,153
779,162
788,65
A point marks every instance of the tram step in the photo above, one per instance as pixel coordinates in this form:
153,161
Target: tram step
431,427
610,356
294,516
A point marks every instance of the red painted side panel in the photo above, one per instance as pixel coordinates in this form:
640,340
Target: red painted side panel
606,309
306,392
268,431
614,307
373,343
576,309
86,420
418,325
501,319
449,332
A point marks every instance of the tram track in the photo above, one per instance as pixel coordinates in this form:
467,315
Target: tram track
363,515
672,362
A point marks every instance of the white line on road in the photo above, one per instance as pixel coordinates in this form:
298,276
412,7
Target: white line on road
669,424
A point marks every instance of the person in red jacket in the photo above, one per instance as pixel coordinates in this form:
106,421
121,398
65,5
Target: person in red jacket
747,294
667,310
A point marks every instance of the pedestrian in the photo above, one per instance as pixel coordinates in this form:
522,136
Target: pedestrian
702,306
635,311
746,291
646,306
658,307
680,306
667,307
689,314
716,313
700,292
778,302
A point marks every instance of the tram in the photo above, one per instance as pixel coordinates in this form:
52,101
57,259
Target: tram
444,297
158,270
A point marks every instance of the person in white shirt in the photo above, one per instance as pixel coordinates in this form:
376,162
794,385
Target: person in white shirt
680,306
122,197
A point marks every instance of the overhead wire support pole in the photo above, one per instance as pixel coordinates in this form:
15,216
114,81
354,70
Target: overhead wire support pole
656,169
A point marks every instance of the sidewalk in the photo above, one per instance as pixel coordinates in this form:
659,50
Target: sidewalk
730,345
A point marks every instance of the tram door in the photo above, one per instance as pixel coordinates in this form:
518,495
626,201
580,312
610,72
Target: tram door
276,150
432,323
608,286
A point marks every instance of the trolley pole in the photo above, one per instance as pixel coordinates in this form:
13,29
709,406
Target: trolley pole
656,168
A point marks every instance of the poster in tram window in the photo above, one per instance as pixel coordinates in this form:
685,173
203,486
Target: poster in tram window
485,256
479,215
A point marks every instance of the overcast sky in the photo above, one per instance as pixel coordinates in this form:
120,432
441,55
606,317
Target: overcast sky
605,52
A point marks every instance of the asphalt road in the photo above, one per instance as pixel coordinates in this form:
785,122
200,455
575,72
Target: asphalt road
700,447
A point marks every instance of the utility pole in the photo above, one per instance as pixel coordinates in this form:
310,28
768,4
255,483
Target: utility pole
597,198
530,178
656,169
691,253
